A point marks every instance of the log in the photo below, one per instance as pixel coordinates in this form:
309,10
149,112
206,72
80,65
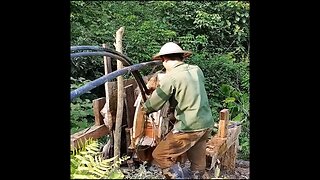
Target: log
120,100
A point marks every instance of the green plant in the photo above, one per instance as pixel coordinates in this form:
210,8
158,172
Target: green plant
244,141
88,163
238,104
81,114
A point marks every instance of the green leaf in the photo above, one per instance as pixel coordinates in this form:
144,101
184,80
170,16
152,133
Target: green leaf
238,117
91,159
229,99
117,175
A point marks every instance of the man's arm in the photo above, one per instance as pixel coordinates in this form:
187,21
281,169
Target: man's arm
159,96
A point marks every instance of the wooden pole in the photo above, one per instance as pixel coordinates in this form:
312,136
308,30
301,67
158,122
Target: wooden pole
223,123
120,103
106,111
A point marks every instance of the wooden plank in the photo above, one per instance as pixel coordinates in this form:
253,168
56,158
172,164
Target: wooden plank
129,102
97,106
93,132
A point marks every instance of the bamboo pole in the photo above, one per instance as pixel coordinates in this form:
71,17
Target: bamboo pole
120,103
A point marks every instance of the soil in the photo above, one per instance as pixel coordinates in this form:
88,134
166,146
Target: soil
242,171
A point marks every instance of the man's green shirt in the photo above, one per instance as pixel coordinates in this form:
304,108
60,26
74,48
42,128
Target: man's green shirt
185,85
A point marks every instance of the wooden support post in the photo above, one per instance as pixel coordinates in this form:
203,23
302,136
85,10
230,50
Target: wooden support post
128,140
129,102
223,123
117,131
107,65
107,109
97,106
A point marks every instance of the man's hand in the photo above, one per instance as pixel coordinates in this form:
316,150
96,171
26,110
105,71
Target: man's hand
149,91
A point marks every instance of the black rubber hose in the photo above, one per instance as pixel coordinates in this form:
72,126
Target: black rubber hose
97,82
124,59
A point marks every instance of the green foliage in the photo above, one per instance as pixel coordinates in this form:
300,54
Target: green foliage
88,163
81,113
227,85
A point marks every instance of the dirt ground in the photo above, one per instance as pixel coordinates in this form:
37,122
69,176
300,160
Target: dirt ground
242,171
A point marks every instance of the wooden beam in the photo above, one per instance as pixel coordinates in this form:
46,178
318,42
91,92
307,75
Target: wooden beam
97,106
93,132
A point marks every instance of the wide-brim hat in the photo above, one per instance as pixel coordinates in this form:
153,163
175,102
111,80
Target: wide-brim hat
171,48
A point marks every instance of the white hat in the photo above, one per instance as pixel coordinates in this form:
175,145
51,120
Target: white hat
171,48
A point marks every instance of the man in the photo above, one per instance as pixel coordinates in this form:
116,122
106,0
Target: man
183,86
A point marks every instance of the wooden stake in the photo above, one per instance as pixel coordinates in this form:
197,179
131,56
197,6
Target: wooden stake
120,103
223,123
106,111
